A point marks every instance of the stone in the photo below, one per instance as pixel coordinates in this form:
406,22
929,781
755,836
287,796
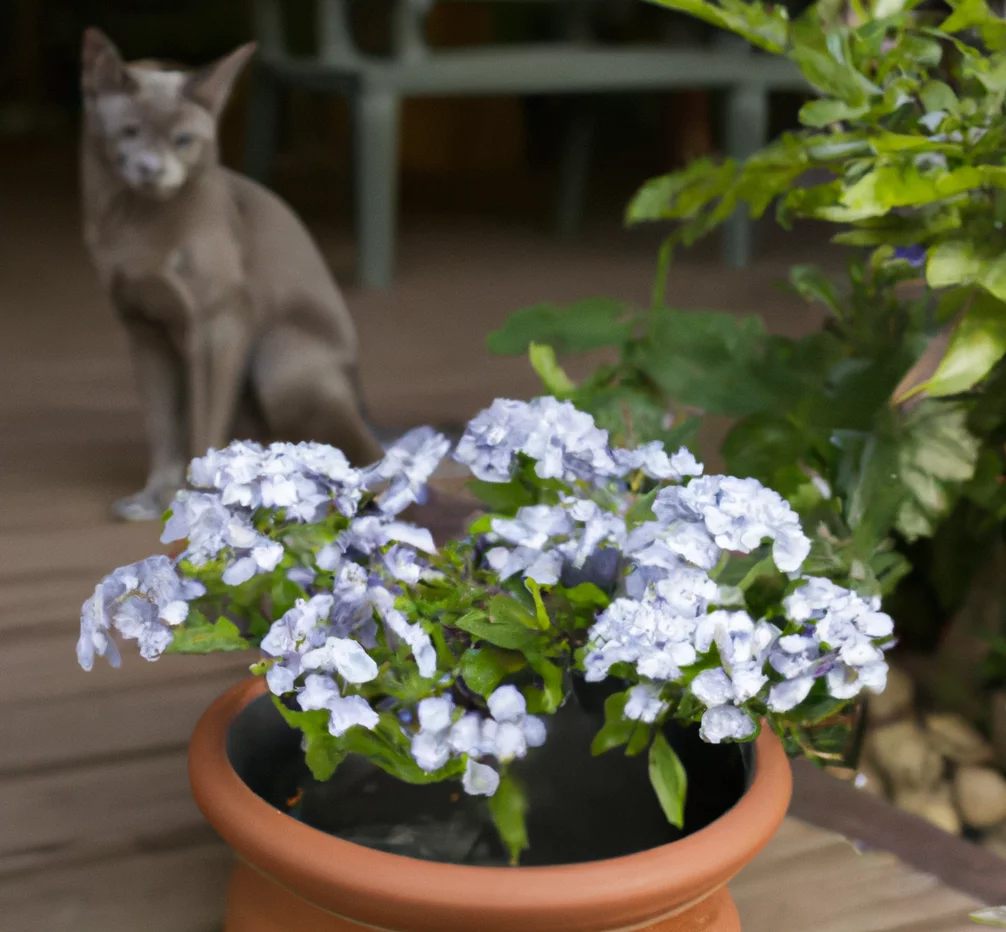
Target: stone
935,806
897,699
901,752
998,720
869,781
957,740
981,796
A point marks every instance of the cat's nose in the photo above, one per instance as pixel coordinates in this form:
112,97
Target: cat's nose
150,166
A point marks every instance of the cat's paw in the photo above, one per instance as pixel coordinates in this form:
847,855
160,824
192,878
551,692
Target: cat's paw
145,505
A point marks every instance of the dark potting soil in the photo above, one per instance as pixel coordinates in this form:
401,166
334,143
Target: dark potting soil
580,807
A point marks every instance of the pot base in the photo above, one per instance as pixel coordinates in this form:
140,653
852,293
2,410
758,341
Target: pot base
256,903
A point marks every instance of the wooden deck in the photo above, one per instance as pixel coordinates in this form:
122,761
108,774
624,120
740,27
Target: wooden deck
97,829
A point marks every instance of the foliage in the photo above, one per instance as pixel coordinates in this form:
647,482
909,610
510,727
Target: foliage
885,428
905,135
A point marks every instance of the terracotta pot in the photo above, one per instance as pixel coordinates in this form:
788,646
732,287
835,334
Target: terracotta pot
294,878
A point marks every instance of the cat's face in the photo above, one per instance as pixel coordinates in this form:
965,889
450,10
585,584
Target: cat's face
153,136
156,128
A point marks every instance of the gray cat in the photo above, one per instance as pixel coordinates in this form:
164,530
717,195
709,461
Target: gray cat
229,307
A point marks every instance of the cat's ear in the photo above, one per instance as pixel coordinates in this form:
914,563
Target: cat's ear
210,87
103,71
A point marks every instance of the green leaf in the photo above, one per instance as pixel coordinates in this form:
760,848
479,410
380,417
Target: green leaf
937,454
823,112
483,668
766,446
504,610
707,360
504,498
890,186
199,636
669,781
617,729
554,691
963,262
977,344
640,739
508,806
764,26
552,375
936,95
590,323
389,748
813,285
504,628
991,916
587,595
322,751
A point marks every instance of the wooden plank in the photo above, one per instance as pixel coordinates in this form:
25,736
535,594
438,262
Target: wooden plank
43,734
44,668
811,880
45,554
85,812
164,891
960,864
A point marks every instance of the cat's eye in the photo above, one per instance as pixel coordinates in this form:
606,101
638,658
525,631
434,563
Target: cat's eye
184,140
130,131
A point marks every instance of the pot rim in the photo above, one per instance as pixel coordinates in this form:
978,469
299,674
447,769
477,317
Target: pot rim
389,891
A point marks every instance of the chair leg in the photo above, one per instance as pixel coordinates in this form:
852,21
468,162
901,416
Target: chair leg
574,166
376,185
746,132
261,124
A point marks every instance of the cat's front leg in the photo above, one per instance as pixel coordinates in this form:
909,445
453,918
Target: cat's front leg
218,370
160,374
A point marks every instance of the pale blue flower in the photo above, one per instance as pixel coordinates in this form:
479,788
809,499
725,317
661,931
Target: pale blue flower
644,633
343,656
143,602
543,568
739,514
465,735
480,779
317,692
566,443
298,626
510,731
506,704
563,442
430,751
434,713
348,711
726,723
534,526
401,563
598,527
407,467
96,631
853,628
713,687
644,703
655,462
411,634
789,693
493,438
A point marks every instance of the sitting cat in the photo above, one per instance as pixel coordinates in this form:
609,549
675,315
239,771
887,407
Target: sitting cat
229,307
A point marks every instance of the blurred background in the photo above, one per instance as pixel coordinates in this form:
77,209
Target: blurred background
99,831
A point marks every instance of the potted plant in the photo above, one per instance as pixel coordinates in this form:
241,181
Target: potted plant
598,678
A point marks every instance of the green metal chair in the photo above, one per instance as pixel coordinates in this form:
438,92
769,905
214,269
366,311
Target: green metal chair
376,86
